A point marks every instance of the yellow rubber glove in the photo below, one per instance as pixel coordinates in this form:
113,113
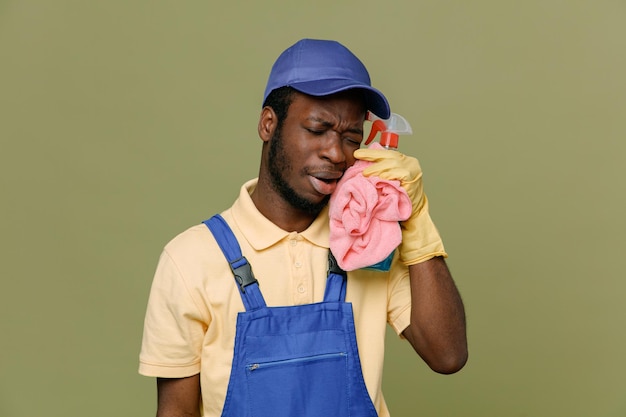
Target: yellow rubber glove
420,238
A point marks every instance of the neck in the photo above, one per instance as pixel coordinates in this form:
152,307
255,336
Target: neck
279,211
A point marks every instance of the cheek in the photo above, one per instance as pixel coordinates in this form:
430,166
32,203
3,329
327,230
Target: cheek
299,157
349,152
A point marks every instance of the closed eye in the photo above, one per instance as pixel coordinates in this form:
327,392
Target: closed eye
316,132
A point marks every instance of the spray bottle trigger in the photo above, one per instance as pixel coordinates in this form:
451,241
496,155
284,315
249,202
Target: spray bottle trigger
377,126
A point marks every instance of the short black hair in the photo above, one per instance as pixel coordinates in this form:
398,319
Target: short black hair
279,100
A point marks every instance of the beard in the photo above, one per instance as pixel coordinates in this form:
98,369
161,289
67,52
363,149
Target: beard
279,164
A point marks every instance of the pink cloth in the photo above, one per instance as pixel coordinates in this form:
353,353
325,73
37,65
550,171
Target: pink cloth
364,214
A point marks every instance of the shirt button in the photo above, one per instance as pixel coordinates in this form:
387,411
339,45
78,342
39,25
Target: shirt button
301,289
293,242
298,264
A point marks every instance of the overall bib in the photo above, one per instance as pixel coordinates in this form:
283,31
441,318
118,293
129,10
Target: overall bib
298,361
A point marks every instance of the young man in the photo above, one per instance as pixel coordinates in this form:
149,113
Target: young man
206,359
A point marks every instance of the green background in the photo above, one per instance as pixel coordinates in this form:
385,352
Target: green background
124,122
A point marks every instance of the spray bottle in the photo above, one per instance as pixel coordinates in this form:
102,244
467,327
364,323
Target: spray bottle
390,130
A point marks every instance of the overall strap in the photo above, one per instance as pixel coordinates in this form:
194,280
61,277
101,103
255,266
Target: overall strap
336,281
239,265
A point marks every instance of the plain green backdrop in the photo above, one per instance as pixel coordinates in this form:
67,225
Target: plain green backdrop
124,122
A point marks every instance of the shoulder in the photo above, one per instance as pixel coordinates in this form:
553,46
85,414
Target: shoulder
191,242
194,252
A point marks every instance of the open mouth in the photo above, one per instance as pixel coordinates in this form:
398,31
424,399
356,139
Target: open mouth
324,186
327,180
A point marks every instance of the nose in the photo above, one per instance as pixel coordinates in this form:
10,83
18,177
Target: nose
332,148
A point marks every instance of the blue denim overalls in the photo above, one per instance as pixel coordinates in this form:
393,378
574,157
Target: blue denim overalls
298,361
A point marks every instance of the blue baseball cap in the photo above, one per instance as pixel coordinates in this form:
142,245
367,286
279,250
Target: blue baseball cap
323,67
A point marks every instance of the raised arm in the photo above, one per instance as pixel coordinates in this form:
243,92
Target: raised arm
437,329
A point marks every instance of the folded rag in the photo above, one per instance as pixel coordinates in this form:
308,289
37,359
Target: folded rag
364,214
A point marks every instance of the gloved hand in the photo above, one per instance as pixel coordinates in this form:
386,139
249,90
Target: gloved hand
420,238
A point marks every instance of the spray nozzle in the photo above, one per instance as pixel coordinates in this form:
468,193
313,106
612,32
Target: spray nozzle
390,129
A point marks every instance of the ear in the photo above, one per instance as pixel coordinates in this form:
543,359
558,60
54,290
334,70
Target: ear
267,123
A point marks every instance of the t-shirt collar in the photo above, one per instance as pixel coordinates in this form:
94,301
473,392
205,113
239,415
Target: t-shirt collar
261,233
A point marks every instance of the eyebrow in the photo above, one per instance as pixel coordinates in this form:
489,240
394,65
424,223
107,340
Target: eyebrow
328,124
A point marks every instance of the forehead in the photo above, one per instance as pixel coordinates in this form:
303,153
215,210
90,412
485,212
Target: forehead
349,103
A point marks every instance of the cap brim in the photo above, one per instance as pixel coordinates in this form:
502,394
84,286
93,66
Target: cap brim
376,102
